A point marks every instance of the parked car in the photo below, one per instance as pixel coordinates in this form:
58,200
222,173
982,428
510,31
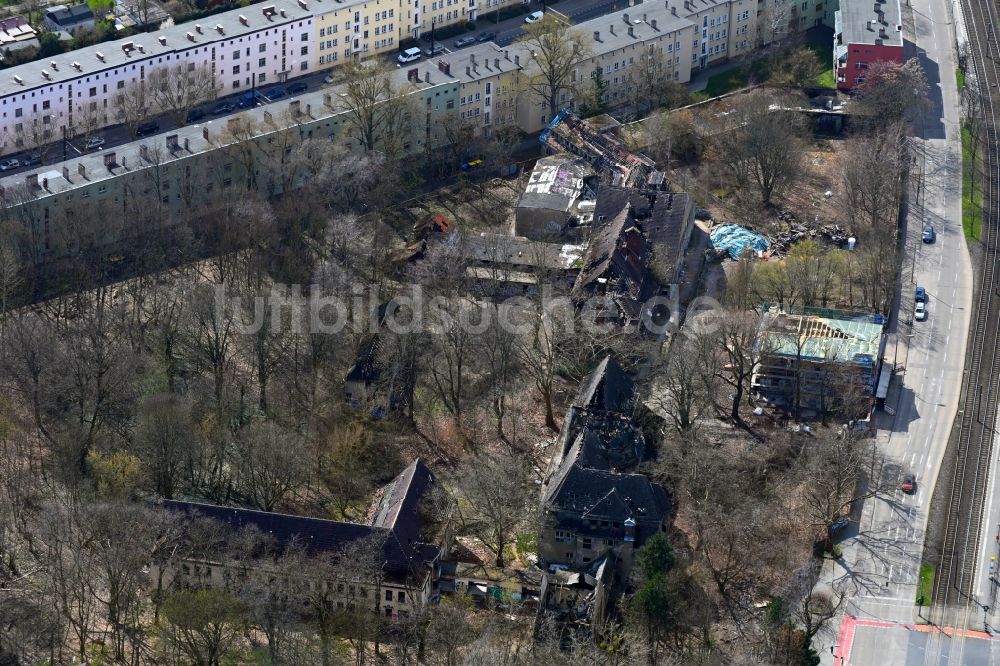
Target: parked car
534,17
298,87
409,55
95,142
248,100
464,41
929,235
275,93
147,128
921,295
920,312
486,37
436,49
194,115
909,484
328,78
31,159
219,109
471,165
7,165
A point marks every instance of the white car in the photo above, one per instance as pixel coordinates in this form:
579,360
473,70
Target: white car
95,143
7,165
920,312
534,17
409,55
328,78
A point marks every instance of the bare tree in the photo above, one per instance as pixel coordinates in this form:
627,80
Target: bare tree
132,105
494,496
557,51
652,82
378,113
874,198
177,90
763,149
273,461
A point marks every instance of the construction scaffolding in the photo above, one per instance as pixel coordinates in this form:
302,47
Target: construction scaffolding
605,152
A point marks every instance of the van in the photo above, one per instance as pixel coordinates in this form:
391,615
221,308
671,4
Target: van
409,55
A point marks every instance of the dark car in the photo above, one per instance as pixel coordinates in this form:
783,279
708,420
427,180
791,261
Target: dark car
194,115
839,524
248,100
147,128
275,93
31,159
464,41
921,295
909,485
223,108
297,88
928,234
437,49
486,37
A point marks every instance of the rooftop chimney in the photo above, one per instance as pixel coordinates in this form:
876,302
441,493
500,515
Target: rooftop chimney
244,20
597,35
468,71
77,66
100,56
612,28
190,36
55,66
268,11
46,74
673,10
18,80
496,63
220,29
517,60
197,28
625,16
652,24
302,4
163,40
631,31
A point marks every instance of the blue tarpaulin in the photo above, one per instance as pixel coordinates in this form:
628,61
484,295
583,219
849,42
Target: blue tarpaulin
735,240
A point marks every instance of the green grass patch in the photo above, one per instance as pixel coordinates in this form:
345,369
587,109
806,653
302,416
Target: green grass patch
960,79
925,583
972,190
826,80
725,82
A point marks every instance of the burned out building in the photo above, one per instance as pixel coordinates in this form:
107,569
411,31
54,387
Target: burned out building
637,243
591,503
555,200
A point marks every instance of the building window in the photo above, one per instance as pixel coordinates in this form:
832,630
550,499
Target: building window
304,50
587,543
262,62
401,597
261,77
304,66
262,48
236,69
93,92
236,55
304,37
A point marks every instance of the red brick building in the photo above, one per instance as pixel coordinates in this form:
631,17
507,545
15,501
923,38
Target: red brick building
865,32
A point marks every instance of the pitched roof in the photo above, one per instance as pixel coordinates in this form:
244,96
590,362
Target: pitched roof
395,525
606,388
69,15
610,495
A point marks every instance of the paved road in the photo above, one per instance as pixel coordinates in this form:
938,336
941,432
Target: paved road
881,559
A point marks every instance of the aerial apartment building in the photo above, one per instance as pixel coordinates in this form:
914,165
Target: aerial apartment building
255,45
866,32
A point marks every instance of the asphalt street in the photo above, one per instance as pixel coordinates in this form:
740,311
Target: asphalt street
881,559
